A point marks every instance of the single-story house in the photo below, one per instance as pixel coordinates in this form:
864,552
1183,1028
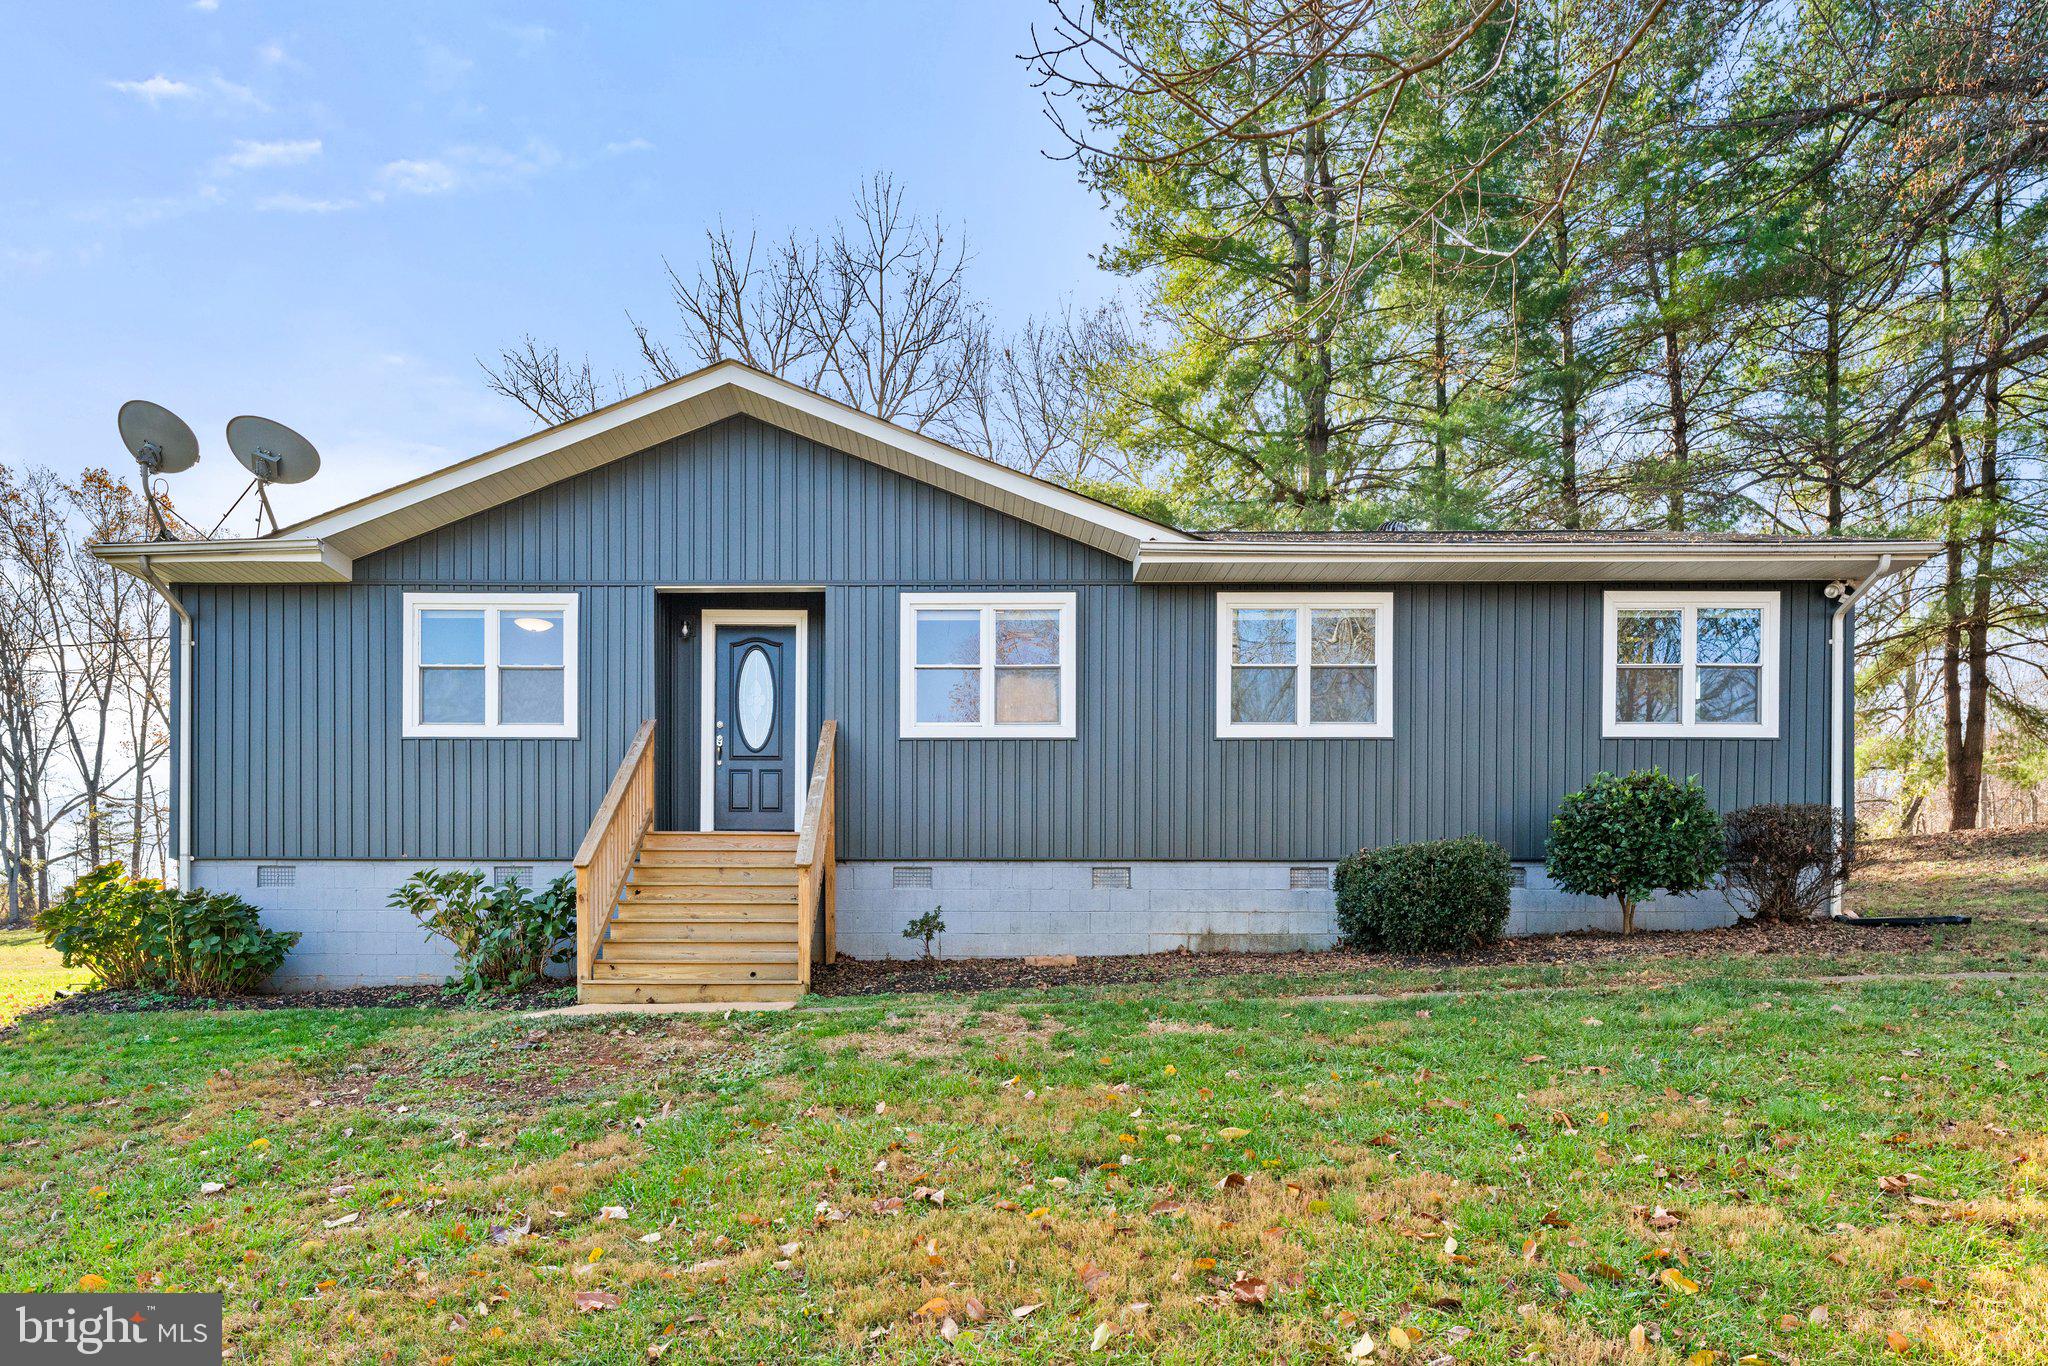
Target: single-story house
775,677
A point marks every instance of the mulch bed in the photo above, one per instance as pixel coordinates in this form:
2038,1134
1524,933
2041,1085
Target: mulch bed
850,977
340,998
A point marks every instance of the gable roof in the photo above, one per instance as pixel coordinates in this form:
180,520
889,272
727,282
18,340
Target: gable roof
323,549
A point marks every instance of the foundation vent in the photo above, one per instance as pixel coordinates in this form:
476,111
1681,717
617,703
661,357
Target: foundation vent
277,875
910,877
1109,877
1518,876
521,873
1308,879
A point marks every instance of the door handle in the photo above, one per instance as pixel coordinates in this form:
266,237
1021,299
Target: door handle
718,748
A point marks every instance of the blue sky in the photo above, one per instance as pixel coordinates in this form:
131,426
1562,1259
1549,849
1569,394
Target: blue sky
325,213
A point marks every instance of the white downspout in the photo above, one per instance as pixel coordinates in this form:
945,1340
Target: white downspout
1845,595
182,743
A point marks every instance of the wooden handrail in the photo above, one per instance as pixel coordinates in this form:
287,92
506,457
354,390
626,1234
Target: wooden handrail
605,858
817,844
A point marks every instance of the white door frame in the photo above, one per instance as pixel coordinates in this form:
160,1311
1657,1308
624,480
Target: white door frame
707,698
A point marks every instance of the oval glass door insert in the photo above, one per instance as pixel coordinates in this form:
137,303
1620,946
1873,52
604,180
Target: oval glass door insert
754,699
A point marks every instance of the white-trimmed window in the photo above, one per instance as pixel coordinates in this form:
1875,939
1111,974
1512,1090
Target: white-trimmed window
1703,663
1303,664
490,664
987,665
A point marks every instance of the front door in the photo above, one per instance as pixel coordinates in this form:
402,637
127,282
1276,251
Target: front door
754,739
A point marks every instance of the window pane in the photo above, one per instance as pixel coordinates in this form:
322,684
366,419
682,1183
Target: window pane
450,697
1262,696
448,637
1025,696
1647,637
949,695
1341,635
530,697
949,637
529,637
1646,695
1262,635
1731,635
1729,696
1031,637
1342,696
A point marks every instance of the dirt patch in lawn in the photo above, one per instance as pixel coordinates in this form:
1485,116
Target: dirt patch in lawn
929,1035
849,977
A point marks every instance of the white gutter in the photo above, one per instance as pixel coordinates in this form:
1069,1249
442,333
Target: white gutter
181,746
1845,595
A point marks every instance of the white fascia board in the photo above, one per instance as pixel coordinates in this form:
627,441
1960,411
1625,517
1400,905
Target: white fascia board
293,559
1509,561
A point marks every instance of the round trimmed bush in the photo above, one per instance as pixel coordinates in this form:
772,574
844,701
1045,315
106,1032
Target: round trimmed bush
1440,896
1633,836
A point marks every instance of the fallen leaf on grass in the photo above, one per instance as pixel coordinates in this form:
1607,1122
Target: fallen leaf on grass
1898,1341
593,1301
1400,1339
1249,1290
1362,1348
1091,1276
1639,1339
1678,1281
91,1284
1915,1283
340,1219
1103,1333
1024,1311
1572,1284
1231,1181
612,1212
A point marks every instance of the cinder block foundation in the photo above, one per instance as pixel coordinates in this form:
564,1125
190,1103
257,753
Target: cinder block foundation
350,934
1007,910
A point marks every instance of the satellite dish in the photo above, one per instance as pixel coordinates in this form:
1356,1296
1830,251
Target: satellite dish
157,437
161,444
275,454
271,451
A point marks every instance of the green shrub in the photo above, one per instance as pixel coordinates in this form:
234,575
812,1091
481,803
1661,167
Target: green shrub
137,933
927,927
501,933
1633,836
1440,896
1785,860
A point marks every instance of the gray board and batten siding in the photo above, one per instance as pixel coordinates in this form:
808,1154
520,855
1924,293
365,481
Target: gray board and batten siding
1496,688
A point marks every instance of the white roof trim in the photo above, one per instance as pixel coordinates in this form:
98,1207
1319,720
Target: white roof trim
694,401
1509,560
295,559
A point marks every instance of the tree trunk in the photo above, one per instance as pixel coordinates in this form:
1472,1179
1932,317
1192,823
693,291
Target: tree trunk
1568,385
1628,915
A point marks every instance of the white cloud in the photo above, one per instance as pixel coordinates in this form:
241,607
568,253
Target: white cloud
529,38
206,6
630,145
253,156
156,88
418,176
214,90
299,203
273,54
467,168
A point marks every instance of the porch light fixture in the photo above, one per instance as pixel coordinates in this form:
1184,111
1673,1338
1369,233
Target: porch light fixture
533,623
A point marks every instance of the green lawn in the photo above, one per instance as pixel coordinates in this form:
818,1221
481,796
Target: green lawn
30,974
1738,1166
